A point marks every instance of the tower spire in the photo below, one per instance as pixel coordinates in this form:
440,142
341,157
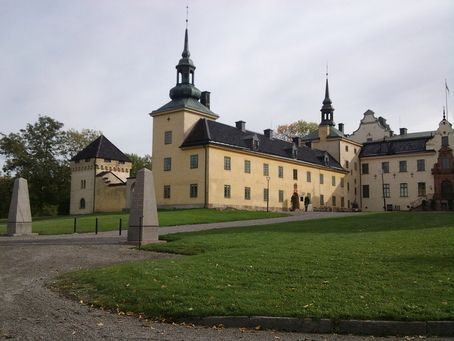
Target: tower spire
327,108
186,53
185,73
444,113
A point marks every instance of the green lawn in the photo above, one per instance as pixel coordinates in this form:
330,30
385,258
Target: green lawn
109,222
397,266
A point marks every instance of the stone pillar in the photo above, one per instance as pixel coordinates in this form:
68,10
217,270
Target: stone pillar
143,216
19,216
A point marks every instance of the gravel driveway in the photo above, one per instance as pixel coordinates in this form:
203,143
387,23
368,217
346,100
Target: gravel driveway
30,311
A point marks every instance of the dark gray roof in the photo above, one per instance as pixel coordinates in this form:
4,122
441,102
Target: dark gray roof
207,132
182,103
101,148
395,146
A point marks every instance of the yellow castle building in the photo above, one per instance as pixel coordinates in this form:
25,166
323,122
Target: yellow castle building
200,162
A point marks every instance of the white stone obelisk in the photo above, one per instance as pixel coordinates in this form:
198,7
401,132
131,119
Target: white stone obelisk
143,215
19,216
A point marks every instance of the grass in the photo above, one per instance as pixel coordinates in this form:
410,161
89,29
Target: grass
396,266
109,222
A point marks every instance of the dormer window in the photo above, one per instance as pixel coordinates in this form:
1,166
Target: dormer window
326,159
255,144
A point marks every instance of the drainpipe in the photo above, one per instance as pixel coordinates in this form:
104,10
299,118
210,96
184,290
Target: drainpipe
94,185
206,177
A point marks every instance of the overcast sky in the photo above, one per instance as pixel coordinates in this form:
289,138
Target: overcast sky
106,64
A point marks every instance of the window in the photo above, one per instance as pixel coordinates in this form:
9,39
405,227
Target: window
265,194
166,191
321,179
385,167
365,191
348,186
386,191
247,193
333,180
365,168
247,166
333,200
421,165
280,172
347,164
227,191
322,200
194,161
83,184
295,174
445,163
354,150
342,202
82,204
404,190
346,148
444,141
227,163
193,190
308,176
266,169
281,196
421,189
342,182
167,137
402,166
167,164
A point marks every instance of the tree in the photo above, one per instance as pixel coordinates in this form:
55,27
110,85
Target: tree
298,128
40,153
139,162
75,141
6,188
34,154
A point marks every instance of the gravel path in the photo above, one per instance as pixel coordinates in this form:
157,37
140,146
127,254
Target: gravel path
30,311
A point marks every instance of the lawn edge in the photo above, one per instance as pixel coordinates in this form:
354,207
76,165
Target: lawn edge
327,326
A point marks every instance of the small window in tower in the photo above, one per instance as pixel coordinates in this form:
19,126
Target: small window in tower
168,137
82,204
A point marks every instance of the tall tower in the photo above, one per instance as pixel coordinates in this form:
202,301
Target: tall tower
327,108
171,124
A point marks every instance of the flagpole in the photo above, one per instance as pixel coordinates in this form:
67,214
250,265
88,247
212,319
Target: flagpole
446,99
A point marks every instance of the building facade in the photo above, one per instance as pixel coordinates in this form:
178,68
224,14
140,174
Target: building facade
199,162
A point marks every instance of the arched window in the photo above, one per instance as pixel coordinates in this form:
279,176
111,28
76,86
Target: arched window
82,204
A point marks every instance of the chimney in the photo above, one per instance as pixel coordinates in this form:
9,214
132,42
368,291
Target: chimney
296,140
268,133
205,99
403,131
341,127
241,125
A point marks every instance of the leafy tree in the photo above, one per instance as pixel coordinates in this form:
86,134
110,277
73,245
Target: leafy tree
35,154
75,141
6,188
40,153
139,162
298,128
